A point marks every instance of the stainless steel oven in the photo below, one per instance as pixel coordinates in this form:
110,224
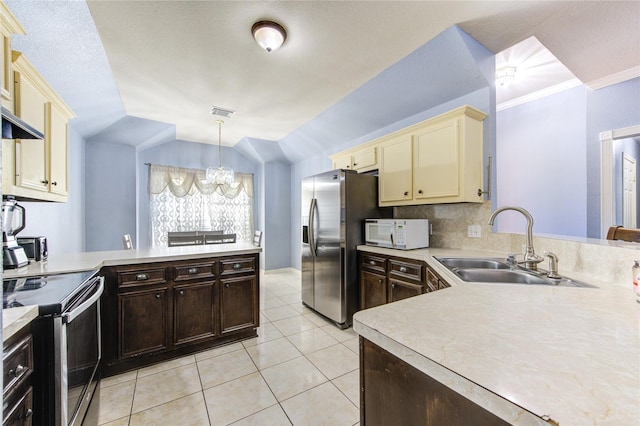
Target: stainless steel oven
66,336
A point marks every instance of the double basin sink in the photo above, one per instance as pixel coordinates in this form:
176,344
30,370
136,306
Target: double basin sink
490,270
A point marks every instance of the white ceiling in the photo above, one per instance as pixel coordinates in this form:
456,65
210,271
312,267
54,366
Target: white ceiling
172,60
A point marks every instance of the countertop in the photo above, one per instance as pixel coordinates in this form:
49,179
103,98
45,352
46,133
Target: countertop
13,319
524,352
60,263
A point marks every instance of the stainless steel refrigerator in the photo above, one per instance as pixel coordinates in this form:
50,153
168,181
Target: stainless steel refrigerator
334,206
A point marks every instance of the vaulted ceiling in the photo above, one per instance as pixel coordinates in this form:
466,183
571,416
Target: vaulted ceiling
167,62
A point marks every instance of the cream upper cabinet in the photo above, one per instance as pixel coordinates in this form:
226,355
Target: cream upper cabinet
33,168
396,165
436,161
363,158
9,25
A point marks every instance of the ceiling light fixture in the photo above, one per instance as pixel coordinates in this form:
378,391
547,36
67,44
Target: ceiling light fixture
268,34
220,176
505,75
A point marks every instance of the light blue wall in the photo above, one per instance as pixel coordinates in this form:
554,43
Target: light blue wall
277,226
541,164
549,156
62,223
610,108
110,195
189,155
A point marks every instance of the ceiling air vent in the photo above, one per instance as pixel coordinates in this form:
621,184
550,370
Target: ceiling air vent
223,112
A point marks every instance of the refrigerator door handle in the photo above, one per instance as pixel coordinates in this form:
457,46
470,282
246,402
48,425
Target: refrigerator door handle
312,232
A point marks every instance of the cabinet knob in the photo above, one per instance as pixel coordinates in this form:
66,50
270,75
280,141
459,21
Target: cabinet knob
44,182
237,266
406,193
355,164
27,414
181,292
419,191
393,286
142,277
403,269
54,183
192,271
372,262
380,280
227,285
15,373
158,296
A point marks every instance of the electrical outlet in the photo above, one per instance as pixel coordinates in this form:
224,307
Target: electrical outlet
474,231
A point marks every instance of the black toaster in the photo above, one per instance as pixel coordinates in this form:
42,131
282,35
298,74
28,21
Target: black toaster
35,247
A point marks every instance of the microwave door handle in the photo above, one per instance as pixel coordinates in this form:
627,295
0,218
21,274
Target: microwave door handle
71,315
393,244
312,232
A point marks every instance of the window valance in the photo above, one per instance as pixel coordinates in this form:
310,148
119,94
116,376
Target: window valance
181,181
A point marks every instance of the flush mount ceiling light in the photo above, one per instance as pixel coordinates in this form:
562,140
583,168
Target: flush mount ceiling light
221,176
505,75
268,34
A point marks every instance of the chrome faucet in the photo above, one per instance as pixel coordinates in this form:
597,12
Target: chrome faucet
531,259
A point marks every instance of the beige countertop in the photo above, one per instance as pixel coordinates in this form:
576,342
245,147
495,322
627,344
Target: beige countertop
60,263
13,319
524,352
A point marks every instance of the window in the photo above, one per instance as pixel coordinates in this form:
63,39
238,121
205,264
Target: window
182,200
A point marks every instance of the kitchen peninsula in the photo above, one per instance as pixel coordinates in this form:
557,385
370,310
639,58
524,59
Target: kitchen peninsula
165,302
526,354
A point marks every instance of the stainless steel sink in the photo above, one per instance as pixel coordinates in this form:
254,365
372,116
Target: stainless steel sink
500,276
472,262
490,270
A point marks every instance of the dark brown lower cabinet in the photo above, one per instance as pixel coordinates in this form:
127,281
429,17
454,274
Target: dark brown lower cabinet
17,371
399,290
193,316
143,322
373,289
158,311
237,294
393,392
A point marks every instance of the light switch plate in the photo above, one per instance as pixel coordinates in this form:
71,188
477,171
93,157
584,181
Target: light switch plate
474,231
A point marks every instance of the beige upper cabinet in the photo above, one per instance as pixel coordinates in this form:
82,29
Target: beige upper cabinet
362,158
9,25
436,161
32,168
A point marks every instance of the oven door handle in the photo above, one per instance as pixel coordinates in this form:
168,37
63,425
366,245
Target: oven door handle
71,315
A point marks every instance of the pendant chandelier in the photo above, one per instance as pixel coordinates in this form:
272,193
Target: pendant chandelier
220,175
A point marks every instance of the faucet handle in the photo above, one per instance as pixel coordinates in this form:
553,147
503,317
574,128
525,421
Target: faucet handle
553,264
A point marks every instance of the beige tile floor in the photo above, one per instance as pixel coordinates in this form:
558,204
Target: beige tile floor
300,370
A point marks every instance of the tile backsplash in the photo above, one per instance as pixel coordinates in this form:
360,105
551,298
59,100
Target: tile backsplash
609,261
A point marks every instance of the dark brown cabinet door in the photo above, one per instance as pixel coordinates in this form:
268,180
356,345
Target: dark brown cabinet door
194,312
142,326
21,414
399,290
395,393
373,289
238,303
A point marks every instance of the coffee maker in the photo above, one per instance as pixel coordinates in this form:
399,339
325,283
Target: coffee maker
13,221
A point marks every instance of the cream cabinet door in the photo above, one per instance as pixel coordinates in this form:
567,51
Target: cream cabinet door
31,154
343,162
436,161
57,138
364,159
395,182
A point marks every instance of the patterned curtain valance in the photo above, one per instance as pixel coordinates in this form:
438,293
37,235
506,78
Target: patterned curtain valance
181,181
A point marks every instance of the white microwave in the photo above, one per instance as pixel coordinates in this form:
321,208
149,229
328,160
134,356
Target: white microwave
403,234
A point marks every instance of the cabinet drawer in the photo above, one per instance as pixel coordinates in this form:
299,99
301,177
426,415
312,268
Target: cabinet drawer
239,265
373,263
405,270
141,277
191,271
19,410
17,364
